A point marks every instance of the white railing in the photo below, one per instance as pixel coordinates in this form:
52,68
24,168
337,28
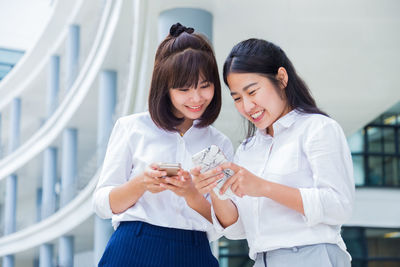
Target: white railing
56,123
35,59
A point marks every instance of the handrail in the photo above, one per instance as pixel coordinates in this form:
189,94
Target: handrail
56,225
56,123
35,59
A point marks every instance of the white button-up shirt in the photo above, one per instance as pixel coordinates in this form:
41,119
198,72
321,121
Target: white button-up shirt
308,152
135,143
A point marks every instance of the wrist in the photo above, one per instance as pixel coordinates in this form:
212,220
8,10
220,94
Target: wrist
266,188
138,182
193,197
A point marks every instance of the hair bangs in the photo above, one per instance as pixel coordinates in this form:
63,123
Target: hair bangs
186,68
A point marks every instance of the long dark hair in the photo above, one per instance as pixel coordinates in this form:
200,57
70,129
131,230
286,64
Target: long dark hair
265,58
180,58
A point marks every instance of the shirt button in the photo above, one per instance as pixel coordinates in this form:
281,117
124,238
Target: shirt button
295,249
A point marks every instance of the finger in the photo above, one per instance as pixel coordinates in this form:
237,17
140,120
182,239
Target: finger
209,181
195,171
155,173
174,182
227,184
169,187
155,188
208,188
230,165
154,166
184,174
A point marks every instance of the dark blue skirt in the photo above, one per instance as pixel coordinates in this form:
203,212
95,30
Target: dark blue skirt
141,244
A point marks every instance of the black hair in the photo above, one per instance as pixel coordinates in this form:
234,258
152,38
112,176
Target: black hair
265,58
181,59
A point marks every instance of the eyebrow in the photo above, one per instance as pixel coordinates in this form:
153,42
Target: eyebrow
245,88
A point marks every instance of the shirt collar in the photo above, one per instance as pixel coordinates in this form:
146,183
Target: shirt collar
282,123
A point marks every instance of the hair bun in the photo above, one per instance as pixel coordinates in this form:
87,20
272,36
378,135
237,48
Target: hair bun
178,28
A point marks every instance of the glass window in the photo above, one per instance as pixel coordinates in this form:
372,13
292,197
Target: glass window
358,167
372,247
374,139
388,140
234,253
391,165
389,119
356,142
375,170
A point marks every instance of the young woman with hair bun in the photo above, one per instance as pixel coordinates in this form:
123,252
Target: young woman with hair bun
159,220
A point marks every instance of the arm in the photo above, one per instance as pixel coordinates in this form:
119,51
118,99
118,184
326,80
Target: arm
126,195
225,211
331,199
115,192
183,186
246,183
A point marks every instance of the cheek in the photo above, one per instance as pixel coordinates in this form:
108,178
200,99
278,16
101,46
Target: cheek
208,94
240,108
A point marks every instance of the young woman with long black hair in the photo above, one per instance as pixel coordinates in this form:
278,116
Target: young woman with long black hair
293,173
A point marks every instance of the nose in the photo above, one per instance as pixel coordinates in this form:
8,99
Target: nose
248,105
196,96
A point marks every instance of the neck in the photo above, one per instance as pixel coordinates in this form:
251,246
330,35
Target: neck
270,129
184,126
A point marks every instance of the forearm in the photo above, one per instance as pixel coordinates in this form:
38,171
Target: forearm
201,205
285,195
226,212
125,196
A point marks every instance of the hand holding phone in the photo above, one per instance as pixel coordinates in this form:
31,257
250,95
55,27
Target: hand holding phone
171,168
210,158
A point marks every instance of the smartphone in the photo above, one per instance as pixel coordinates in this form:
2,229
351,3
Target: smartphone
210,158
171,168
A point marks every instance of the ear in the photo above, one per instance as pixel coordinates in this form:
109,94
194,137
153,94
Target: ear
282,76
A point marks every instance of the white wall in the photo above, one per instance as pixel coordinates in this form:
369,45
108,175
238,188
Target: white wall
21,22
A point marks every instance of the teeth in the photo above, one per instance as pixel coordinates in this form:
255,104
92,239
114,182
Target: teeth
257,114
194,107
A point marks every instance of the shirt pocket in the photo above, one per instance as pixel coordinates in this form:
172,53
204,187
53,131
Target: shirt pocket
284,159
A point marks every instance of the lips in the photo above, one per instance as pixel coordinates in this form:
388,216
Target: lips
257,116
194,108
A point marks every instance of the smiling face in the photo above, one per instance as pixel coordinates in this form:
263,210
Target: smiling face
191,102
258,99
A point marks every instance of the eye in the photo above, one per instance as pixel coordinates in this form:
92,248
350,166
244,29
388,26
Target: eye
205,85
183,89
252,92
236,99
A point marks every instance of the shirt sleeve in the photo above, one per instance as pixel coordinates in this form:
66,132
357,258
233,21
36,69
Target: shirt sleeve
235,231
331,198
116,169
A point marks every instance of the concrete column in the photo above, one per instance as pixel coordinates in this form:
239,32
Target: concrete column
199,19
49,182
15,121
1,143
53,85
107,101
39,196
10,201
72,55
66,251
8,261
69,168
46,255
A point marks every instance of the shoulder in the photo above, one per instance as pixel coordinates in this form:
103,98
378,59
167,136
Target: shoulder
315,122
135,121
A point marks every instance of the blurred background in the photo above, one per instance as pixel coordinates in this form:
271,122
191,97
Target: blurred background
70,68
